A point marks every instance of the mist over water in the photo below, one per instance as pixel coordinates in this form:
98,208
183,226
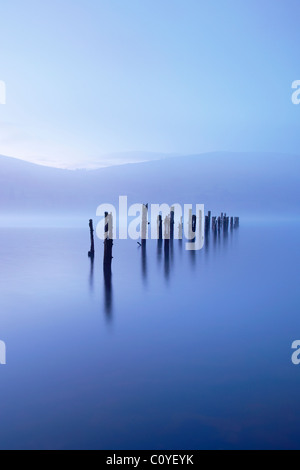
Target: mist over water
176,349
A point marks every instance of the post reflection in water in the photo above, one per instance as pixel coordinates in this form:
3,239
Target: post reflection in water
192,255
167,258
225,239
172,251
206,239
215,239
108,292
159,251
91,277
144,261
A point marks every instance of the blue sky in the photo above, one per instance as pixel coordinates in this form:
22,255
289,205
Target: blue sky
89,78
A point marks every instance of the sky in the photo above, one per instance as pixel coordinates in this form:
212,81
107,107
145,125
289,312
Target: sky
86,79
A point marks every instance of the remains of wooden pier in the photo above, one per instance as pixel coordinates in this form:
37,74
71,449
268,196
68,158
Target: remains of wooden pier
214,223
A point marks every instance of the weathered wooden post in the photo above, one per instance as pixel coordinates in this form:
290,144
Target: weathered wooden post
108,243
172,215
91,253
167,234
194,225
207,224
180,230
159,227
231,223
209,217
226,224
144,224
219,224
214,224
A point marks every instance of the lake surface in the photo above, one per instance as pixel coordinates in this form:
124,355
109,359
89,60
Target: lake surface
188,351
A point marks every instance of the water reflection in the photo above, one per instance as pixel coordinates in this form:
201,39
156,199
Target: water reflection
159,251
206,240
192,255
225,239
167,259
91,277
108,293
144,260
171,251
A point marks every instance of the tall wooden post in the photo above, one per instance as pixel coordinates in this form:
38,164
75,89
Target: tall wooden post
172,215
214,224
144,224
180,229
108,243
194,225
225,224
92,250
159,227
209,216
167,233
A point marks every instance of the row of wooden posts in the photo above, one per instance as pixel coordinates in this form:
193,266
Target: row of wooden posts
216,224
221,222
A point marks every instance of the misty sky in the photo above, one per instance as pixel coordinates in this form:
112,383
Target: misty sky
86,78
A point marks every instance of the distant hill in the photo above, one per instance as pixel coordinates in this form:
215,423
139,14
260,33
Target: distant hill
240,183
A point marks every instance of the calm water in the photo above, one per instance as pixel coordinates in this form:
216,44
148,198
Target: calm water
189,351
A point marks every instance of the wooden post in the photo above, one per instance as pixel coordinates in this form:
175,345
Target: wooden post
236,222
92,250
180,229
167,228
159,227
207,221
172,215
194,225
144,224
108,243
231,223
214,224
225,224
207,224
167,234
